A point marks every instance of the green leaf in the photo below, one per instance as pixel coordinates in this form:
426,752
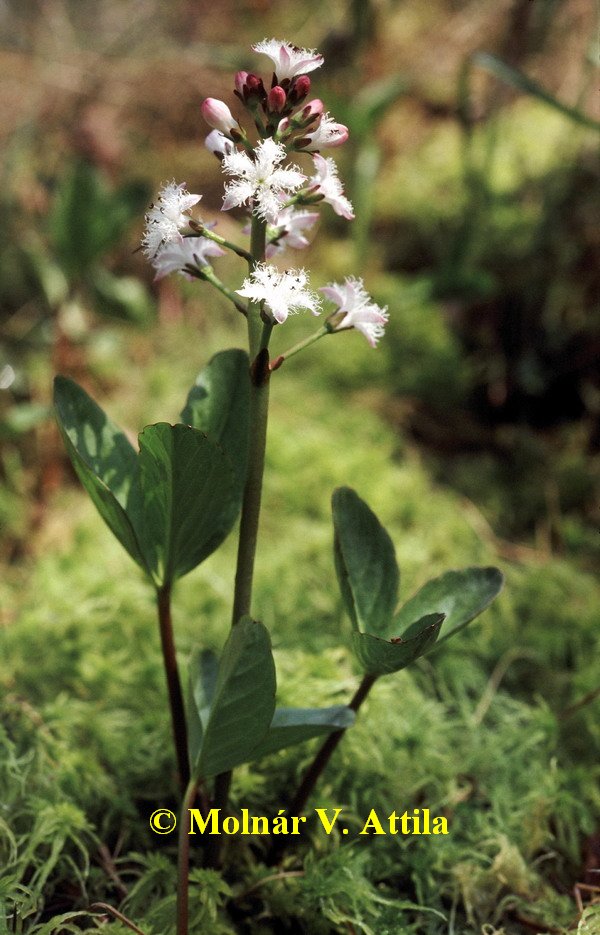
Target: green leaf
380,657
243,702
218,404
50,277
80,218
295,725
121,297
171,505
102,445
365,563
203,671
187,487
521,82
87,218
105,461
459,595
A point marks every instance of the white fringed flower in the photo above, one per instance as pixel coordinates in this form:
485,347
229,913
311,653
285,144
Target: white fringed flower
288,230
190,251
282,293
288,59
326,134
358,310
261,180
167,217
326,183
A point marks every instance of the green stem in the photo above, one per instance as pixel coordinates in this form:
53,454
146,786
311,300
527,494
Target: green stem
319,763
259,333
209,275
214,849
183,859
258,245
324,755
277,362
201,231
259,408
104,907
178,720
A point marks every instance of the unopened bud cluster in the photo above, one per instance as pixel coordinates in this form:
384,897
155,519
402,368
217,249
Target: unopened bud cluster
277,112
273,191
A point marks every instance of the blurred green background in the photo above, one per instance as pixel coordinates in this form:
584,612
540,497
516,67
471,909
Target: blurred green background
473,430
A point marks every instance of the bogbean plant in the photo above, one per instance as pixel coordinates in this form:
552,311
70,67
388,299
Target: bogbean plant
173,502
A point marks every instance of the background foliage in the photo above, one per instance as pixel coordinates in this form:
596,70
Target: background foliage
472,432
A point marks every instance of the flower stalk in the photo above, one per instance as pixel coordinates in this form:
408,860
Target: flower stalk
300,346
259,410
259,333
200,229
258,342
207,274
258,246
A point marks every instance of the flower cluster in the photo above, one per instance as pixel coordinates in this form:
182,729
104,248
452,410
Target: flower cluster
282,197
261,181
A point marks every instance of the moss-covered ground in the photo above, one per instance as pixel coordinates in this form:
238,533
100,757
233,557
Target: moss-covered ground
488,731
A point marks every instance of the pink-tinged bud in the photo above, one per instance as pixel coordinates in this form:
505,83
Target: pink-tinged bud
254,84
341,136
276,99
249,88
326,134
240,80
283,126
312,109
301,88
252,91
218,115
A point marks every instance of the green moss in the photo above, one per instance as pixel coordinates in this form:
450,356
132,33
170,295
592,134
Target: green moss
475,731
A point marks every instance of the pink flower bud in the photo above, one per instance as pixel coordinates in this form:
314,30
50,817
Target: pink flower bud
276,99
254,84
326,134
300,88
312,109
218,115
240,80
340,137
249,88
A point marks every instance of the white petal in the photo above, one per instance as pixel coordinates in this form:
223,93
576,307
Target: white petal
289,61
237,193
